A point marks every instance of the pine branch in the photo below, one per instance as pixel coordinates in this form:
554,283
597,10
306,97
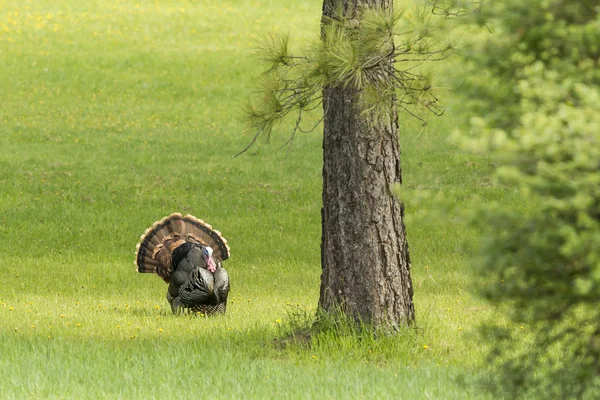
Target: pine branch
250,144
356,49
313,128
291,139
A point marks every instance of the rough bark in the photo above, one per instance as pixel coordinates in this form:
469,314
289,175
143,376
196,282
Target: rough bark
364,254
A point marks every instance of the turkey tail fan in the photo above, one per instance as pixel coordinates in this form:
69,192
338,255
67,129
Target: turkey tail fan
156,246
196,229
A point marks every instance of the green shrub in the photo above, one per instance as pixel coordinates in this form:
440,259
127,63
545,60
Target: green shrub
534,83
563,35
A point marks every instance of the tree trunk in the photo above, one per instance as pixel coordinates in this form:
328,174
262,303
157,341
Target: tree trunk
364,254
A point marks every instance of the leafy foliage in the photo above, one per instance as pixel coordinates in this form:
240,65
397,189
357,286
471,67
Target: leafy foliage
562,35
540,103
376,51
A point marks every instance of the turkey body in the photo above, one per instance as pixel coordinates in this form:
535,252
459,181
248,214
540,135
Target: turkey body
193,287
186,253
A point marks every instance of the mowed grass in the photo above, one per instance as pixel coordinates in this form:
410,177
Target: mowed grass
115,114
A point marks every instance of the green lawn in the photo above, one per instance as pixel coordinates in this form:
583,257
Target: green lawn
114,114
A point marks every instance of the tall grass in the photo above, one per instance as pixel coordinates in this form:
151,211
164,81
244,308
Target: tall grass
114,114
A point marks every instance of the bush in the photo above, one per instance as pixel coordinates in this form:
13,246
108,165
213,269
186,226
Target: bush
534,83
562,35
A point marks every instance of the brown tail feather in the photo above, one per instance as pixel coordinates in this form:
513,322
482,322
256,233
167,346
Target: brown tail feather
205,234
178,225
153,252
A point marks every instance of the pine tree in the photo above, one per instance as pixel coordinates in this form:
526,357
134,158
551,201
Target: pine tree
362,71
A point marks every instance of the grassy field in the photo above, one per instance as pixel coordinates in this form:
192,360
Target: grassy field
116,113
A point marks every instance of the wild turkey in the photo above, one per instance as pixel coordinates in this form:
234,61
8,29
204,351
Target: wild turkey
187,253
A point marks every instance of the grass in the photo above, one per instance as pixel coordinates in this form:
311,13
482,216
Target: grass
114,114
